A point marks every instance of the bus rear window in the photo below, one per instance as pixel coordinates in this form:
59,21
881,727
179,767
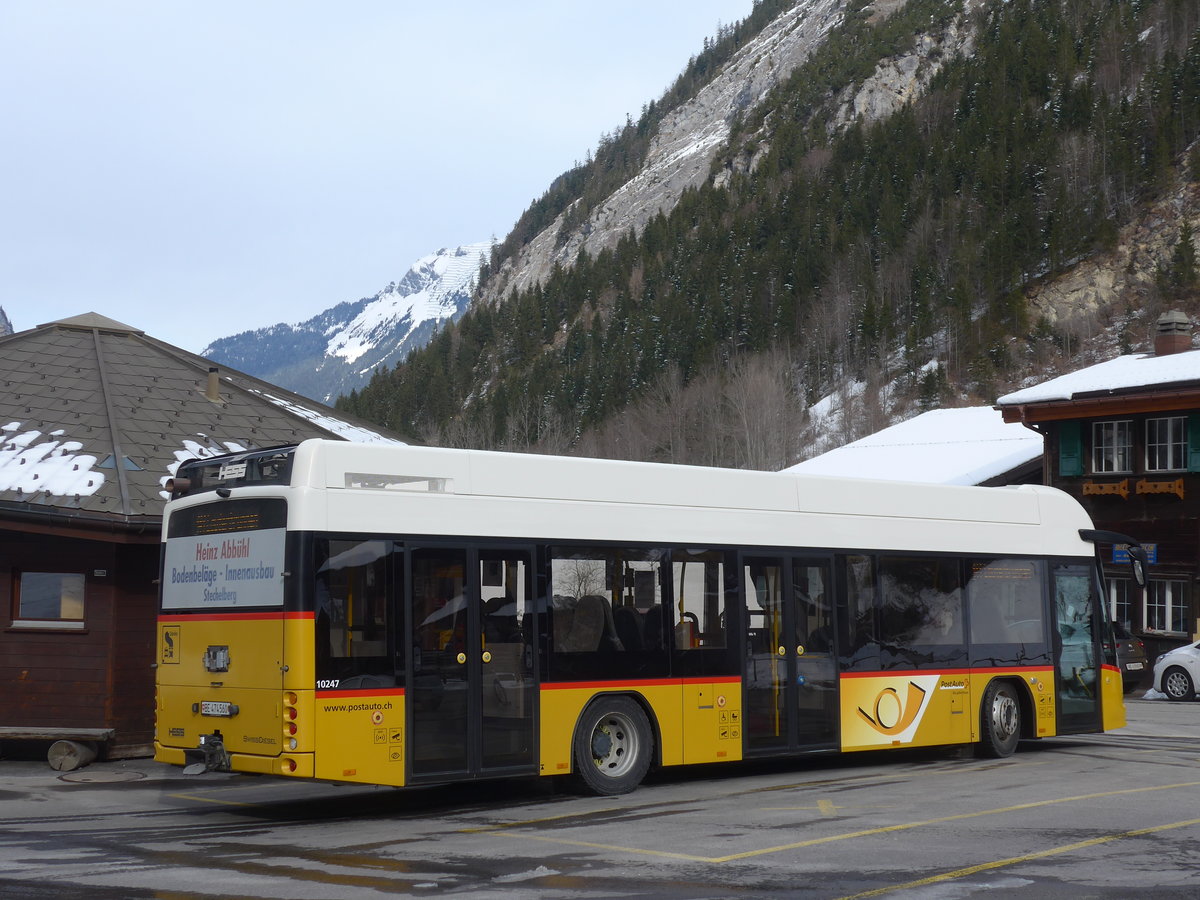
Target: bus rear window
256,467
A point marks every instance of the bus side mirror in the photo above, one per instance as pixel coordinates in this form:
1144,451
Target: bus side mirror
1137,562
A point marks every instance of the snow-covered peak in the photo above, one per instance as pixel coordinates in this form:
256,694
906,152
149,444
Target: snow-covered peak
432,290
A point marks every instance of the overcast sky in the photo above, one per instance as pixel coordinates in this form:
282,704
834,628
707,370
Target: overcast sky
195,169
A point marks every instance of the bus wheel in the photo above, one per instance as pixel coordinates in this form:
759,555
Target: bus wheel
1001,721
613,746
1177,684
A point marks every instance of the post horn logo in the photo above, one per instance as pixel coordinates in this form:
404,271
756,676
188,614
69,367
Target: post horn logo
892,715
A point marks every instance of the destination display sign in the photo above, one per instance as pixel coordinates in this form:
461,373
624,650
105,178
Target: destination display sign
215,571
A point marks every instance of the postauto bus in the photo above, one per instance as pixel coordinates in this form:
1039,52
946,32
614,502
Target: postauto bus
403,616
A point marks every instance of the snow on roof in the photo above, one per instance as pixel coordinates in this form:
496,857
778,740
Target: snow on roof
32,463
1120,374
340,427
944,446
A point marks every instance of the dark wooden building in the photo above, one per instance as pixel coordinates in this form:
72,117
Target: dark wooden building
1124,438
94,417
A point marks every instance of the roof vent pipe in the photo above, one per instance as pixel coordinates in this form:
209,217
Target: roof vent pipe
1174,333
213,391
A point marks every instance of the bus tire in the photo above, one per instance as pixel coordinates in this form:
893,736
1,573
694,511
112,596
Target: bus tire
1177,684
1000,721
613,746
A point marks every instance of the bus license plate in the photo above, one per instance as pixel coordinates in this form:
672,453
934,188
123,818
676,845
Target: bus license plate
216,708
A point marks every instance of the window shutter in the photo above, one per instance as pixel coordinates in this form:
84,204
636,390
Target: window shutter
1070,450
1193,442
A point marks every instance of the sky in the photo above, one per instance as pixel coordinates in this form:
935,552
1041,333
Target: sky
197,169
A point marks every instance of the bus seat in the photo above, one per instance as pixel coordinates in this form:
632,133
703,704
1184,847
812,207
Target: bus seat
500,620
628,624
587,625
563,617
652,638
607,638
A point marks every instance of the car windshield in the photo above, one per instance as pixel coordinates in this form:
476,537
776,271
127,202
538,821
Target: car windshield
1121,631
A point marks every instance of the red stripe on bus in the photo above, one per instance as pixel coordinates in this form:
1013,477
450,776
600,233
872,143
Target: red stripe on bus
638,682
361,692
233,616
982,670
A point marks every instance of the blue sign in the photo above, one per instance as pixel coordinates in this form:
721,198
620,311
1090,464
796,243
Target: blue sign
1121,553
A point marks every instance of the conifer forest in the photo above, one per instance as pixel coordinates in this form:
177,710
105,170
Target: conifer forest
888,260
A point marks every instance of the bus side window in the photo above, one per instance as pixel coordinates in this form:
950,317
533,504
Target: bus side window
815,626
606,601
698,604
354,613
1005,606
857,641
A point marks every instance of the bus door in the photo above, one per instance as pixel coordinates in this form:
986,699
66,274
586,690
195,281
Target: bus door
472,683
1076,614
790,681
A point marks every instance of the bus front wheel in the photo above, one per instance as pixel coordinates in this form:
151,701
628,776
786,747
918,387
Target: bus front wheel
1000,721
613,746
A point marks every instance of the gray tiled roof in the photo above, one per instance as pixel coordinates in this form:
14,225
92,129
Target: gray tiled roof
81,394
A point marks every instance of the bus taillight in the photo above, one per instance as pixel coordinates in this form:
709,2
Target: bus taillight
290,728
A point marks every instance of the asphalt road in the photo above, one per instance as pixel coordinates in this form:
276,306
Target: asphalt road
1105,816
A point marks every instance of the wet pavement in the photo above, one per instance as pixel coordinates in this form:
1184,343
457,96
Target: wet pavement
1099,816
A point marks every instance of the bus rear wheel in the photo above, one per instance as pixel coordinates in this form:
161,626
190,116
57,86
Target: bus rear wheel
1000,726
613,746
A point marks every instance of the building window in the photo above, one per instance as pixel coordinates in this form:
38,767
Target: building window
1166,444
1121,599
1112,446
49,599
1167,606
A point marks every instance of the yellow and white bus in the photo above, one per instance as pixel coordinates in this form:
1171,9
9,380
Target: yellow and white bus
406,616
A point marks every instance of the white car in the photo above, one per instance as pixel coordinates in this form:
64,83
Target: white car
1177,672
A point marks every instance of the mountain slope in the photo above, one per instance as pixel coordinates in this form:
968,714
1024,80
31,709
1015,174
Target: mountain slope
336,351
875,219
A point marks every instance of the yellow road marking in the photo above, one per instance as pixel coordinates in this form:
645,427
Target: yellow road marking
1014,860
829,839
208,800
827,807
233,787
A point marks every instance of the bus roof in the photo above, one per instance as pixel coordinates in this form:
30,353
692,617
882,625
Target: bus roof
527,495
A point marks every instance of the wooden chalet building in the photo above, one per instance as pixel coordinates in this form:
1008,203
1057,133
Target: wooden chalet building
94,417
1124,438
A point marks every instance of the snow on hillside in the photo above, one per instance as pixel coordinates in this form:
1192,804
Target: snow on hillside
429,292
337,350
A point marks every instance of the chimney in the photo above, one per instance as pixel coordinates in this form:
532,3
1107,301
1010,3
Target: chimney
213,391
1174,333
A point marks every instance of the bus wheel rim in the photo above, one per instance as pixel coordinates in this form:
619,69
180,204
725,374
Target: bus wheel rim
614,745
1004,715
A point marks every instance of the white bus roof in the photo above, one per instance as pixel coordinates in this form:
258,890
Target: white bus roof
405,490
